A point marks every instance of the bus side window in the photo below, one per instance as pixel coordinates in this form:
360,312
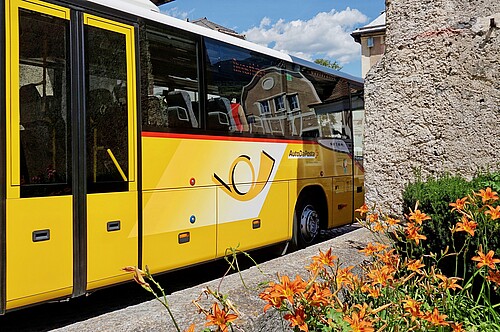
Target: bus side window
169,68
234,87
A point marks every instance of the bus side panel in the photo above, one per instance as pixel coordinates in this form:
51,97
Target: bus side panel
342,205
40,249
271,225
179,227
111,237
173,162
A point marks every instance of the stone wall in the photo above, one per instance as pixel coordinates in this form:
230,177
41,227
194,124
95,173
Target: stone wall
433,101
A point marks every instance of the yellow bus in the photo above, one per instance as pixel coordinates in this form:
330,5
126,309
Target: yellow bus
129,137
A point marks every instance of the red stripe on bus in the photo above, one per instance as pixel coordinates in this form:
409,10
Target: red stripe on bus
223,138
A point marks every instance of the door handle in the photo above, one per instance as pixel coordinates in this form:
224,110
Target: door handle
113,226
41,235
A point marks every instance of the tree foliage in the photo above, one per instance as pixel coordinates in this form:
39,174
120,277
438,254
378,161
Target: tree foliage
327,63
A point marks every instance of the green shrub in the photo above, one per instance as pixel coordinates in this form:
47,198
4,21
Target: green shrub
434,196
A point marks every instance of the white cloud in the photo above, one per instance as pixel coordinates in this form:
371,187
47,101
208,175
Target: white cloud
175,12
326,35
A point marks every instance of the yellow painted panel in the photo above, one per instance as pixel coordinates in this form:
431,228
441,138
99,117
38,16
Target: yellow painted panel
173,162
342,206
38,298
273,216
44,7
167,214
110,251
39,270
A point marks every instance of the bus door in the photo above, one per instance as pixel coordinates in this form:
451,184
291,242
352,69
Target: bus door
71,168
110,138
39,191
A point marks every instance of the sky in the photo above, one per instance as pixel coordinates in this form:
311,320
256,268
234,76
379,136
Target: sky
309,29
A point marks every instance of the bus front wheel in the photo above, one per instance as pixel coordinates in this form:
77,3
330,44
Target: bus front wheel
307,223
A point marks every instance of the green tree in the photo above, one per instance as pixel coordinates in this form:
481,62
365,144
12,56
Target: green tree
327,63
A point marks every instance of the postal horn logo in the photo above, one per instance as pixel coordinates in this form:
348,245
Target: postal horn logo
257,183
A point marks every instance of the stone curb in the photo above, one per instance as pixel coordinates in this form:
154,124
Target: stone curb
151,315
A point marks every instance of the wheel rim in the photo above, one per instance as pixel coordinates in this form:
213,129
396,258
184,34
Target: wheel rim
309,223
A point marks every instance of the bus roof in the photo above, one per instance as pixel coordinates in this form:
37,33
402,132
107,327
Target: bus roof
146,9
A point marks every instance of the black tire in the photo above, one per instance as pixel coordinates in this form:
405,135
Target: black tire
307,222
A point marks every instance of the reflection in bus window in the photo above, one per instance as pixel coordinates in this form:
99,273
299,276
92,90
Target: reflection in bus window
43,95
107,110
230,70
170,76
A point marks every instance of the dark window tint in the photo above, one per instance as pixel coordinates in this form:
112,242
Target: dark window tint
170,97
107,111
44,102
244,89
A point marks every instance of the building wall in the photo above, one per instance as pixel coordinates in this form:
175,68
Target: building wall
371,55
433,101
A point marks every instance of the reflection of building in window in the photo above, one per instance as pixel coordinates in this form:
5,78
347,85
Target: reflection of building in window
372,40
271,110
204,22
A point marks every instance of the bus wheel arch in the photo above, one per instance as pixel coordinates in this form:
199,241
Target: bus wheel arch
310,217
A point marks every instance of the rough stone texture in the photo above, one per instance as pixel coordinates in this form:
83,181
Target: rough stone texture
433,101
151,316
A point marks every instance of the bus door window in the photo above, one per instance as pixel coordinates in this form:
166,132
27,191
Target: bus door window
242,89
44,99
170,98
107,112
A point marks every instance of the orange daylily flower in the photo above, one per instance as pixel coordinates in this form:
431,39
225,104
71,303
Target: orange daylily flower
370,249
379,227
318,295
448,283
418,217
493,212
344,276
220,318
413,307
273,299
435,318
488,195
362,210
412,233
372,218
287,289
358,324
486,260
298,318
415,265
371,290
381,276
389,258
459,204
392,221
138,276
466,225
325,258
315,268
493,276
457,327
